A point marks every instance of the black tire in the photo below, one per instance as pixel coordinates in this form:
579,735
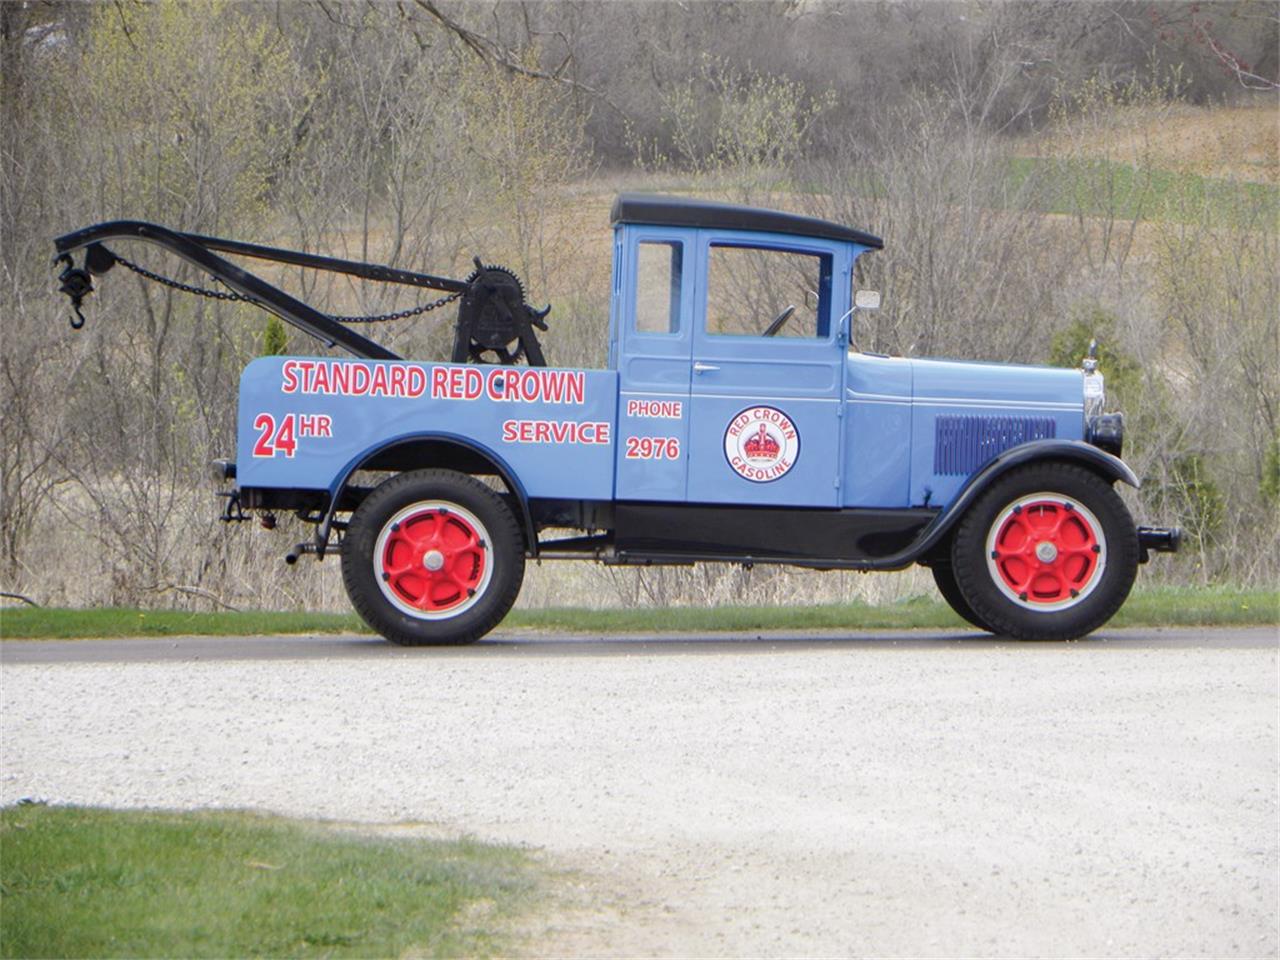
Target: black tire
945,578
1049,552
433,557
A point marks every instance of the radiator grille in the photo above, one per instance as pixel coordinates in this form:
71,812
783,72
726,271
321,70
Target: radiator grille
963,444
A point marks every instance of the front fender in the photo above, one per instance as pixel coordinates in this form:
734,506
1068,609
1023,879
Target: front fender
1069,451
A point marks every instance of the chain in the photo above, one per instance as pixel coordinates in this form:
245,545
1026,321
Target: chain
401,315
184,287
228,295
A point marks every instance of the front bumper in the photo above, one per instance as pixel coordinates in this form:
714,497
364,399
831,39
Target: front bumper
1159,539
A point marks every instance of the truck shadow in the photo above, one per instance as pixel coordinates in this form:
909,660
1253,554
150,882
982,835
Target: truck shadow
882,640
514,643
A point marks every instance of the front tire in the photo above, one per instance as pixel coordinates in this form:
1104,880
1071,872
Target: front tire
945,579
433,557
1049,552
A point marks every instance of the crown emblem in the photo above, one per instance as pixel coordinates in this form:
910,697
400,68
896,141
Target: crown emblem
761,445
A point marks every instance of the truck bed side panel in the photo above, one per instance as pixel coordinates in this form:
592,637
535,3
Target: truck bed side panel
304,420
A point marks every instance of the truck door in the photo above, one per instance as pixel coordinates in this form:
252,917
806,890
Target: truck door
653,301
767,370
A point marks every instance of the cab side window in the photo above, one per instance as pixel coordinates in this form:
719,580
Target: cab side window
758,292
659,276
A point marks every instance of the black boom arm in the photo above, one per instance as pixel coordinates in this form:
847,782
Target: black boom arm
493,319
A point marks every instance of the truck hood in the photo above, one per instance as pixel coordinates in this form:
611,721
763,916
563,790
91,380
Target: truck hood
996,385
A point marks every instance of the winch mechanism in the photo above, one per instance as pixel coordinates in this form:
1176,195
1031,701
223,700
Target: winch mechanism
494,323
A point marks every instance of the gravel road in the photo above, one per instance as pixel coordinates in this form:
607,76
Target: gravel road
891,793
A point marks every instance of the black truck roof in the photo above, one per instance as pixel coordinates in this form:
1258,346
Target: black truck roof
648,208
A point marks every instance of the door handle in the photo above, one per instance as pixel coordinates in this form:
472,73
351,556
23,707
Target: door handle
700,367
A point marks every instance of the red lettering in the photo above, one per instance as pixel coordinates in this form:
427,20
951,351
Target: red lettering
289,383
284,439
359,379
397,381
266,424
553,386
474,383
491,385
530,384
509,431
324,426
577,388
320,382
304,375
379,385
439,383
417,384
340,377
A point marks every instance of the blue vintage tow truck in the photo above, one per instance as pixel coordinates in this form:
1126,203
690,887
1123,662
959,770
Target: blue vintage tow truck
737,422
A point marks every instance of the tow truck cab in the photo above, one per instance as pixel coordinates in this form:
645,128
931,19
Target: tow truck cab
731,332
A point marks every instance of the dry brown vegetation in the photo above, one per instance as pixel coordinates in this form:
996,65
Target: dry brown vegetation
1032,191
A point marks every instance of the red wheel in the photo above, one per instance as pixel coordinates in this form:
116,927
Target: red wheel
1046,552
432,559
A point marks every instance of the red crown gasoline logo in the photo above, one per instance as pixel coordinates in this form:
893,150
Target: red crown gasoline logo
761,444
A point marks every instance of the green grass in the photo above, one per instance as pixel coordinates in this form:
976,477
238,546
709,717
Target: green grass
1153,606
55,623
78,882
1096,188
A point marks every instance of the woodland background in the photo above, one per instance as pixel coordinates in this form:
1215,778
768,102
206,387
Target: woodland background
1041,173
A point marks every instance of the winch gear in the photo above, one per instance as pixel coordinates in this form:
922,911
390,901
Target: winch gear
494,322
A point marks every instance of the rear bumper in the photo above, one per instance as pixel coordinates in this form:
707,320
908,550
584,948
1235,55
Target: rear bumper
1159,539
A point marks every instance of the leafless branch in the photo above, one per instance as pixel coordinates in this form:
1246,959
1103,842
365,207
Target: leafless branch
491,51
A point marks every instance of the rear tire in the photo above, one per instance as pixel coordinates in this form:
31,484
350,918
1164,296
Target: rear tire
433,557
1049,552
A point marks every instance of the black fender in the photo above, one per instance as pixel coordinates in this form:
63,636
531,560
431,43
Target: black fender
404,445
1082,454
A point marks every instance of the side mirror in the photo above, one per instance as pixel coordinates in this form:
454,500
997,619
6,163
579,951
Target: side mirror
867,300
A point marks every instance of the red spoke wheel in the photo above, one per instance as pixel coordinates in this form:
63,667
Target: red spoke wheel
1048,552
433,557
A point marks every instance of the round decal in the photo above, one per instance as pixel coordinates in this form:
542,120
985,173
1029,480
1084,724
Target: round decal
761,444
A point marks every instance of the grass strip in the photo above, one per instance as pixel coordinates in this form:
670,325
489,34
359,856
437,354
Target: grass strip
59,623
83,882
1149,607
1098,188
